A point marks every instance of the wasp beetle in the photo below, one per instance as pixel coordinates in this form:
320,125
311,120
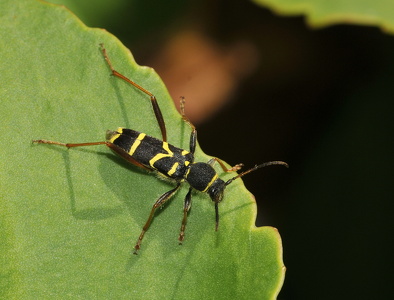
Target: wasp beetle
157,155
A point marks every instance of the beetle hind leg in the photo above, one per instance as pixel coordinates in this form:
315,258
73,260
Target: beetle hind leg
155,105
68,145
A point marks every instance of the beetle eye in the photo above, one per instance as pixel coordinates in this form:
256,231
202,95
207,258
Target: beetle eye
216,190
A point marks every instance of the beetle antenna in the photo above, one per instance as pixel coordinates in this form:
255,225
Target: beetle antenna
217,215
270,163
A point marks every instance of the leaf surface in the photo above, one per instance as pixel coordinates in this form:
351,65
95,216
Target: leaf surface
70,217
321,13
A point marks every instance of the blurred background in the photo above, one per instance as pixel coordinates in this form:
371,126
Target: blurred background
263,87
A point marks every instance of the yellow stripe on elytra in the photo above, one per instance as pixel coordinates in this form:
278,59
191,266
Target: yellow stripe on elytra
136,143
114,137
173,169
115,134
187,172
210,183
161,155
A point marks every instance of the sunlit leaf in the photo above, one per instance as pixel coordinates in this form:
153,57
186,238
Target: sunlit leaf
70,217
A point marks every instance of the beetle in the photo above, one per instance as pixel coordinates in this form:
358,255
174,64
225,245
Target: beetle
157,155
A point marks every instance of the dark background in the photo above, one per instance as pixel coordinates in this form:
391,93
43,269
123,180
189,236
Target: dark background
320,100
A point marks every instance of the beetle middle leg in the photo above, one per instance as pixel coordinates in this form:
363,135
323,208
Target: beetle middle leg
193,141
186,207
163,199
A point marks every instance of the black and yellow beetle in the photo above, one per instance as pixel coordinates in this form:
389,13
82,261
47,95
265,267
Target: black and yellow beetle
174,163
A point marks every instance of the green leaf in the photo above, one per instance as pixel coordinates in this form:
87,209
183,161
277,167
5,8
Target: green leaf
70,217
321,13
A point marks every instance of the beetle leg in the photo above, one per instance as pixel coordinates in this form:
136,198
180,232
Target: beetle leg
159,202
